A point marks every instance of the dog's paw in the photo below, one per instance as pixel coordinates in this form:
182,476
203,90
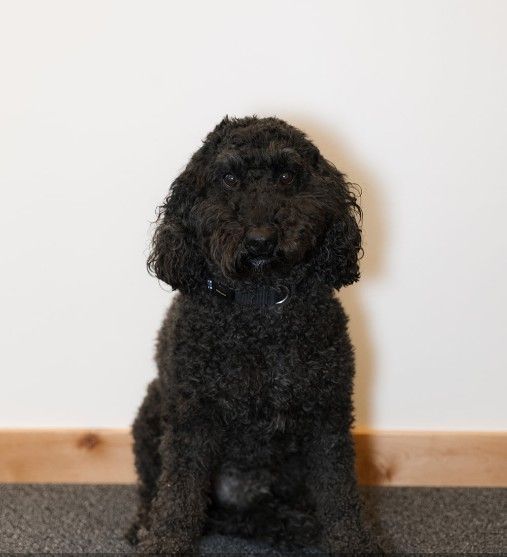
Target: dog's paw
131,535
357,548
353,543
151,543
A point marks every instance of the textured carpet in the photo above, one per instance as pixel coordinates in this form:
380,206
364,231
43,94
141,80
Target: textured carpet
92,519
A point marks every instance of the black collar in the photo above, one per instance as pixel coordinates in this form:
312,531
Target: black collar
261,296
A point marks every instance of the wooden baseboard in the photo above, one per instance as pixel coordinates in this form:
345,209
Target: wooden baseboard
397,458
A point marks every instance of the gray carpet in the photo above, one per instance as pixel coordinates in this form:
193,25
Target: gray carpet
91,519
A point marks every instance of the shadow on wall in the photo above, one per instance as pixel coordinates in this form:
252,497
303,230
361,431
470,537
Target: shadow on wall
374,237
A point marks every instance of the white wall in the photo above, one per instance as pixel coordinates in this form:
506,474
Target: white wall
102,103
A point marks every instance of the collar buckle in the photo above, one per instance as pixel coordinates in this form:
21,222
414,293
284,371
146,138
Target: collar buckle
263,296
218,289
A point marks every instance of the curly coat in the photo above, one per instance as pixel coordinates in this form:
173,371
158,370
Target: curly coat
246,429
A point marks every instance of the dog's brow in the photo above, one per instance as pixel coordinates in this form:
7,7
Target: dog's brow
274,157
229,158
285,155
289,151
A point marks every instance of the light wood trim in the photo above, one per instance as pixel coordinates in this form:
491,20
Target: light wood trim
383,457
429,458
66,456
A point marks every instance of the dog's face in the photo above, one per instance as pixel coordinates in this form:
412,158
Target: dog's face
263,210
256,201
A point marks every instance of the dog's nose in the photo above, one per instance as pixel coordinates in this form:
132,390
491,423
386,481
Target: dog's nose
260,240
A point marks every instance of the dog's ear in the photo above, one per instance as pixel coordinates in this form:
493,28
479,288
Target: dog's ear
175,257
338,259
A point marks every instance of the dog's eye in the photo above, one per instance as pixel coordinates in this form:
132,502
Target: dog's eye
286,178
230,180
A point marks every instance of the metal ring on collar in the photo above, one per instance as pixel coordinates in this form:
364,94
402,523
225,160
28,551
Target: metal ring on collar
284,299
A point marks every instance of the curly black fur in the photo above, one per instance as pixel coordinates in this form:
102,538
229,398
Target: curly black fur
246,429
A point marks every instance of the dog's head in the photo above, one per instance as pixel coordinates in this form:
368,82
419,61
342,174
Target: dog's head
257,202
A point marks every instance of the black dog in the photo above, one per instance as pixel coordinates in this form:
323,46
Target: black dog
246,430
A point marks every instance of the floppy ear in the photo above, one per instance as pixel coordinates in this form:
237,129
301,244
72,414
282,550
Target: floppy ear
175,257
338,259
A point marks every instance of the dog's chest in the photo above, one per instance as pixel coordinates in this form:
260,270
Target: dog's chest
258,386
252,367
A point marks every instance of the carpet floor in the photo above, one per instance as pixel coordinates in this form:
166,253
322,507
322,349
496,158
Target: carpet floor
73,519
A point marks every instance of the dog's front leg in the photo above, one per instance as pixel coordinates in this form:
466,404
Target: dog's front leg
178,509
332,482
